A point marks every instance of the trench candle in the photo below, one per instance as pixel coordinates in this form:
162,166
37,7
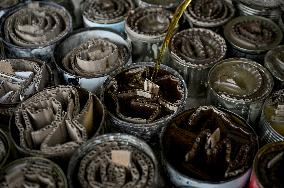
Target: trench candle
139,106
210,14
20,79
56,121
271,126
193,52
147,28
113,160
251,37
267,8
241,86
107,13
5,148
5,5
268,166
167,4
274,62
32,172
87,57
33,29
208,147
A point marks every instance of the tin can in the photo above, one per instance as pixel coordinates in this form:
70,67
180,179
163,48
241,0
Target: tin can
188,142
269,9
270,126
5,148
21,78
78,115
33,171
268,166
138,106
71,51
193,52
147,28
241,86
246,38
106,14
199,14
274,62
166,4
107,148
32,40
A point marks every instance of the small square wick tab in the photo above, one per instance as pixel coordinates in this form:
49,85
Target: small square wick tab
121,157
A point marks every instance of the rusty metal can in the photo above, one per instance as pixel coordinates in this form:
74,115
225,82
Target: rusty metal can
267,166
246,37
87,56
271,121
127,160
141,107
188,142
274,62
24,36
241,86
194,52
106,14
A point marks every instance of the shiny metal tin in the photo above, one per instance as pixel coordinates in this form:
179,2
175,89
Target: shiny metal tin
179,179
60,157
269,9
167,4
271,117
249,104
19,164
209,14
274,62
194,68
147,28
122,140
79,37
43,52
106,14
262,176
246,38
7,147
146,131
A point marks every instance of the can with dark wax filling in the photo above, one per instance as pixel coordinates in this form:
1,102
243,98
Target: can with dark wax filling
25,35
140,106
87,56
251,37
208,147
268,167
241,86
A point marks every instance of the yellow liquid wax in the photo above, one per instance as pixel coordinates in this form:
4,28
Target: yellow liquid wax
171,30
